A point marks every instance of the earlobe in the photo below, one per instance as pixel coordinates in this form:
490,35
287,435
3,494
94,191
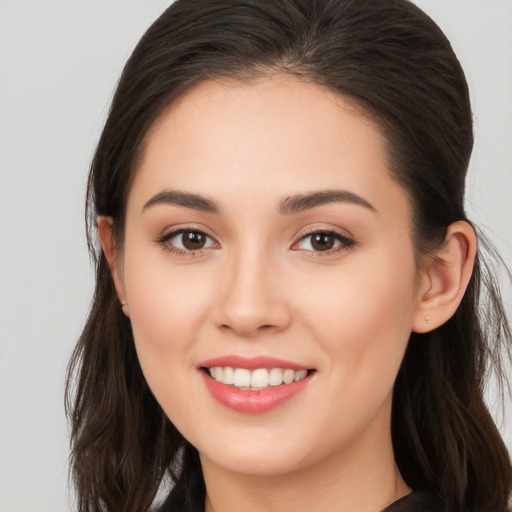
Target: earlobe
107,241
445,278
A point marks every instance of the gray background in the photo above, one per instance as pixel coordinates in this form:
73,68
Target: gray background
59,61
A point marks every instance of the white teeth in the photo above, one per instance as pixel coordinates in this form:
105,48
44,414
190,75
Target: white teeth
259,378
242,378
275,377
288,376
256,379
229,375
299,375
218,373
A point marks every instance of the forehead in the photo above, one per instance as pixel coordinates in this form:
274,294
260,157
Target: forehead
275,135
282,102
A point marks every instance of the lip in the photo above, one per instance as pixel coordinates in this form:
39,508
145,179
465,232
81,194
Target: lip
252,401
255,402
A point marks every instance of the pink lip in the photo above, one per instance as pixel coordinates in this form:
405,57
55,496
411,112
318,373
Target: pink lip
248,401
255,402
251,363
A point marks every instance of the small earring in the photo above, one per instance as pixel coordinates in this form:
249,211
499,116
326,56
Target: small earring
123,309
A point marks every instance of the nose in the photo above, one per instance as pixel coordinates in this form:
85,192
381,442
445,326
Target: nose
253,298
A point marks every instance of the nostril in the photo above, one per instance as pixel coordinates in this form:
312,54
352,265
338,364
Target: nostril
261,328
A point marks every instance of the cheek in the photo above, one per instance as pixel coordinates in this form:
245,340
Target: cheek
167,308
363,321
166,313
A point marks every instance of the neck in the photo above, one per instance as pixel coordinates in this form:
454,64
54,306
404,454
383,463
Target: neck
361,478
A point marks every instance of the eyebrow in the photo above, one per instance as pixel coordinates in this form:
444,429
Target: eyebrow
301,202
289,205
186,199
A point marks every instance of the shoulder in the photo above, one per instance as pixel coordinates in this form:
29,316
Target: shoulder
418,501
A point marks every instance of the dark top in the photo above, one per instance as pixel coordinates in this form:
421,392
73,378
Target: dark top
418,501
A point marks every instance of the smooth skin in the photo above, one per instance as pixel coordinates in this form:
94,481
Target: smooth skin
251,280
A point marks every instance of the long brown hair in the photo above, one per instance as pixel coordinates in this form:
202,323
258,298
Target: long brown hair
394,61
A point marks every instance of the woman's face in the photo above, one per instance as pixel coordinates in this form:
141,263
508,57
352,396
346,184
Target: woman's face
264,234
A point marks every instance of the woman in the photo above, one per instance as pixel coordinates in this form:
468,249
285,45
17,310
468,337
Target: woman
287,310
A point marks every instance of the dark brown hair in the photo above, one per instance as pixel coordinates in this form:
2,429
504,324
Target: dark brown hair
394,62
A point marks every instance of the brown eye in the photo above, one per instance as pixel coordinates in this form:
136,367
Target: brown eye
193,240
322,241
185,241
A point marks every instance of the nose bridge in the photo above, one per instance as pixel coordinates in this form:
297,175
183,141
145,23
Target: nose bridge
253,299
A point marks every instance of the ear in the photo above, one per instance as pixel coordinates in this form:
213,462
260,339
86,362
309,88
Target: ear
445,278
106,237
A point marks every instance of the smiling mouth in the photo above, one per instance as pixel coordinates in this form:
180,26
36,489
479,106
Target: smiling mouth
255,380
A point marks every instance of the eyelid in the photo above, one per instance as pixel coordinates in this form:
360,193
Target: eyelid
174,231
346,241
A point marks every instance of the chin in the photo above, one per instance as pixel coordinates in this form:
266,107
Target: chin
255,463
263,452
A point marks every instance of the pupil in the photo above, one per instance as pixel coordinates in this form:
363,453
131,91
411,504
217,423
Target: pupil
323,241
193,240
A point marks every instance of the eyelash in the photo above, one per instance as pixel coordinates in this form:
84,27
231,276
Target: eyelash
345,243
164,241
